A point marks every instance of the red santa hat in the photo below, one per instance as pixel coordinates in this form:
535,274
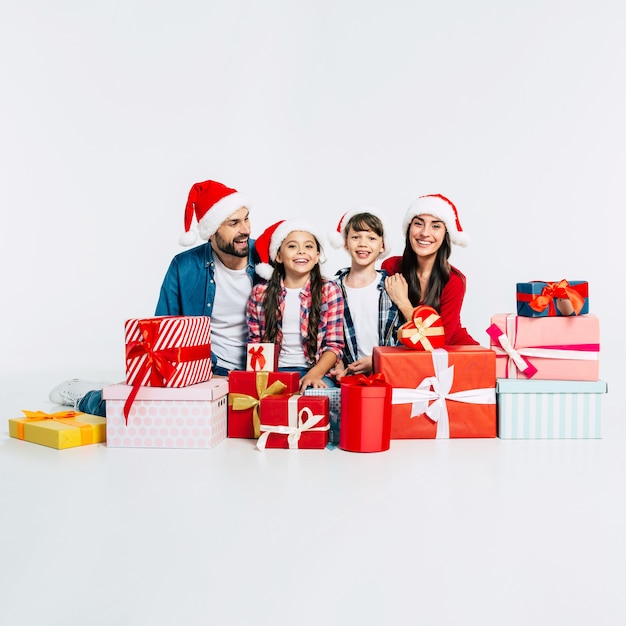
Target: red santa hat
440,207
337,237
212,203
268,243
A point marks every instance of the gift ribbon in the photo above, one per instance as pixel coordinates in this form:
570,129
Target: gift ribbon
521,362
257,358
159,363
579,351
562,289
242,401
63,417
296,425
433,393
374,380
419,330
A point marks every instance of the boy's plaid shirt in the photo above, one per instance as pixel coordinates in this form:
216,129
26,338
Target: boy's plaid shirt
330,328
388,318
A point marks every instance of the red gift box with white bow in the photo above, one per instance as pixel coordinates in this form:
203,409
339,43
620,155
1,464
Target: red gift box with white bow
446,393
295,421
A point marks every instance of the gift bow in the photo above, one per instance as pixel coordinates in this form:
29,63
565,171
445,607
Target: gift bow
521,362
160,363
257,358
418,330
579,352
551,291
374,380
433,393
63,417
242,401
296,425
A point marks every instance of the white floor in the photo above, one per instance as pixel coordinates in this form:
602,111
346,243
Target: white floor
431,532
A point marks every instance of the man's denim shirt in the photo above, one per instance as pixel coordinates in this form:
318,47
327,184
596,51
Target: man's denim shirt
189,284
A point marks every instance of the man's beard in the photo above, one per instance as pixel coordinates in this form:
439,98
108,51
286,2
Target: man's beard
227,247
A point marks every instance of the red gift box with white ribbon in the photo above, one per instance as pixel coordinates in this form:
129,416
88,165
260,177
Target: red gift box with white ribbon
296,421
446,393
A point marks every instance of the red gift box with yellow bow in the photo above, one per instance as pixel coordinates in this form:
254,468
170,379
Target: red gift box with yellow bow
424,331
245,392
559,299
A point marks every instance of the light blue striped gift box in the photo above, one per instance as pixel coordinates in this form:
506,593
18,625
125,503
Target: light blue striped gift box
549,409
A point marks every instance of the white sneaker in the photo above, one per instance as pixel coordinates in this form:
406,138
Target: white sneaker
71,392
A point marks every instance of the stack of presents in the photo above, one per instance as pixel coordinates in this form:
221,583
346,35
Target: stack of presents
538,379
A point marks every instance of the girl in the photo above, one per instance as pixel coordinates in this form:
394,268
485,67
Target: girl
423,274
297,308
370,315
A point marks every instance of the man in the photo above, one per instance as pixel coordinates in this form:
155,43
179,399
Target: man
213,279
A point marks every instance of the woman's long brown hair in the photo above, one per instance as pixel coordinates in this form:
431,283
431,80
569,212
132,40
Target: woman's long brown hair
438,277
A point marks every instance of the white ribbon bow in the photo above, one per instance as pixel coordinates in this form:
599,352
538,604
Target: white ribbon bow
420,398
296,424
508,339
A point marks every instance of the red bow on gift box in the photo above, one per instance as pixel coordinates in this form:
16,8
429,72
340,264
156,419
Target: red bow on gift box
551,291
257,358
159,363
374,380
424,331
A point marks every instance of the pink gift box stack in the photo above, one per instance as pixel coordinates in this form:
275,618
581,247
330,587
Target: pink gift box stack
551,338
169,399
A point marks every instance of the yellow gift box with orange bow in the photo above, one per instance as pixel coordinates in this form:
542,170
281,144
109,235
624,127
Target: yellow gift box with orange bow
65,429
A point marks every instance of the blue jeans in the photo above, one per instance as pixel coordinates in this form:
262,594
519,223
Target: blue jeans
93,403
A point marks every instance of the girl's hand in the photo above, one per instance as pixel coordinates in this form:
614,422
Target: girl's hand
361,366
312,381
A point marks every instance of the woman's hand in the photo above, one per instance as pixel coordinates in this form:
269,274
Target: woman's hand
398,290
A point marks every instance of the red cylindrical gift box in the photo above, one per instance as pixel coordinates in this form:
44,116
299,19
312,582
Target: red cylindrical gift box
365,424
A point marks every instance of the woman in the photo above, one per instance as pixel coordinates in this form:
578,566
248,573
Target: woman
423,274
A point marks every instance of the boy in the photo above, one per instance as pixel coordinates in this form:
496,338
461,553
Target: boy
370,317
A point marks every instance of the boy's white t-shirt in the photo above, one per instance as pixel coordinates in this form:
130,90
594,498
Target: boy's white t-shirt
291,350
229,329
363,304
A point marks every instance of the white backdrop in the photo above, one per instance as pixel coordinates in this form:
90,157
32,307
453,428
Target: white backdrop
111,110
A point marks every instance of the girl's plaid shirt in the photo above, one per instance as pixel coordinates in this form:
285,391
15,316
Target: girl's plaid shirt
330,328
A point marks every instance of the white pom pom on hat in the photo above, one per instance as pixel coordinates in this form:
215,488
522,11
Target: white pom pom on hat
268,243
337,236
212,203
438,206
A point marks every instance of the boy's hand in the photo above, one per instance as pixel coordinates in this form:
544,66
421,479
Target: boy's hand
361,366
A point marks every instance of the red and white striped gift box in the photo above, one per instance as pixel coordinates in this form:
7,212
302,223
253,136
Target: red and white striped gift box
171,351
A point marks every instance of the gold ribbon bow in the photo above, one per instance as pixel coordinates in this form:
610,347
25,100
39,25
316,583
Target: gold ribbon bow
242,401
63,417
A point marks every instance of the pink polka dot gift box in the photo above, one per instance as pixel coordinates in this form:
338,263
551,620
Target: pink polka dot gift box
168,417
